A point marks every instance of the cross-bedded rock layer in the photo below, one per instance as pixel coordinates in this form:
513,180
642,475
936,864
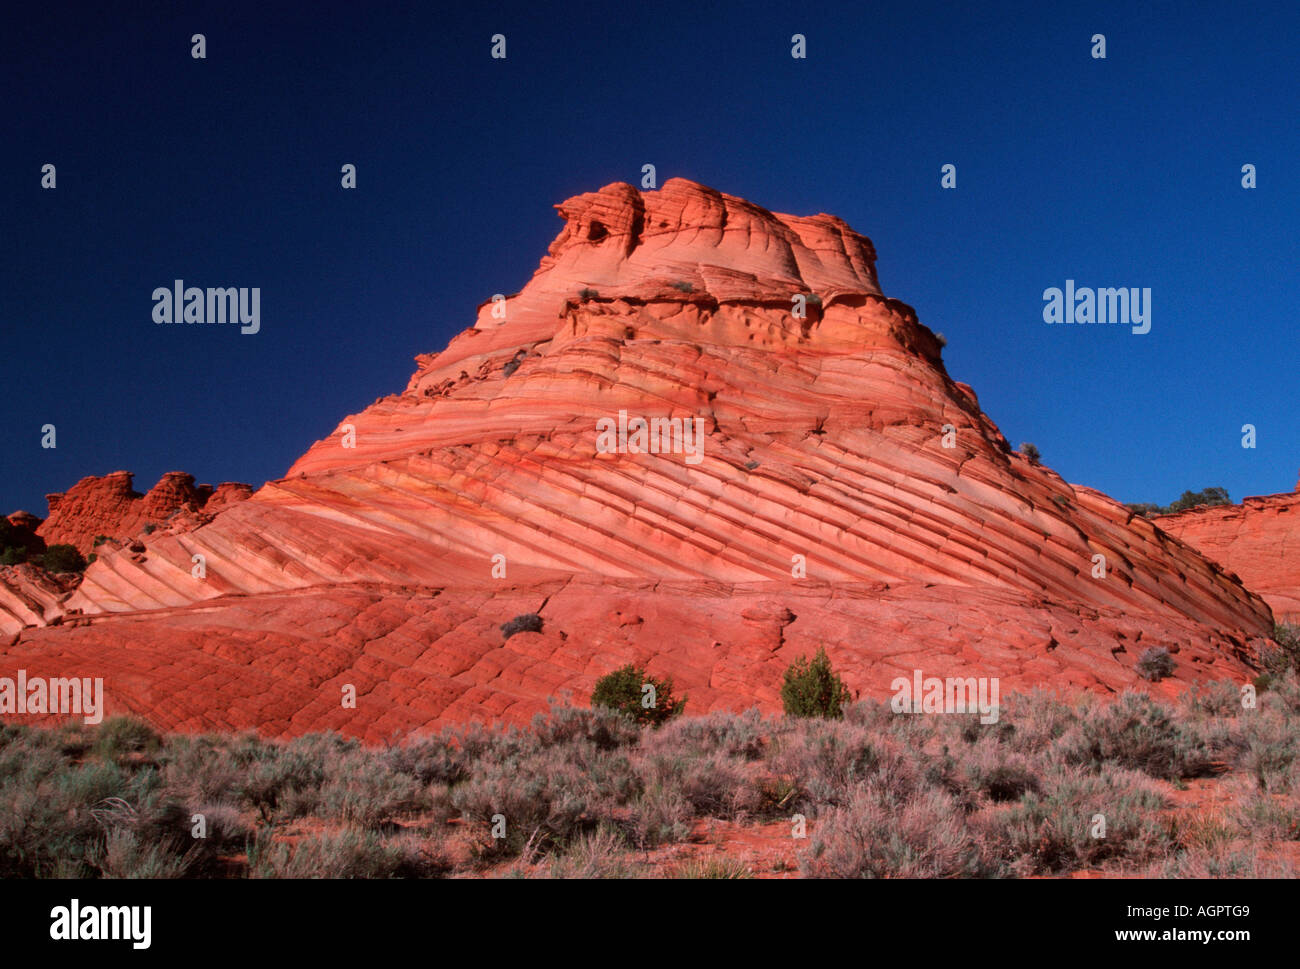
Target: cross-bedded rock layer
826,510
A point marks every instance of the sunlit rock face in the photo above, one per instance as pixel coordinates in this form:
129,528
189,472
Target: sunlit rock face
1258,540
843,492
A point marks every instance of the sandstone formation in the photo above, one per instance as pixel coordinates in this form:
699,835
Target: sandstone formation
1258,540
848,494
110,507
30,596
24,526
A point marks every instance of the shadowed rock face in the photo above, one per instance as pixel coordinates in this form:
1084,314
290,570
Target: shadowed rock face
1258,540
824,444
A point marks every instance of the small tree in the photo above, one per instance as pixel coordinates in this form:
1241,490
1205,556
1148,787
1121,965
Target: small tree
813,689
63,558
1155,664
1194,499
1287,637
1031,453
638,696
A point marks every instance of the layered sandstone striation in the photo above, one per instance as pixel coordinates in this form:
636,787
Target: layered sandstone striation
1257,540
849,494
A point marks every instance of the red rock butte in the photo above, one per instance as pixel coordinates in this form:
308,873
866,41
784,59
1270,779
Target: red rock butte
826,512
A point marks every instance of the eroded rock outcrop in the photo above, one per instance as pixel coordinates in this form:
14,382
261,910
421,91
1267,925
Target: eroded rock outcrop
1258,540
109,506
846,493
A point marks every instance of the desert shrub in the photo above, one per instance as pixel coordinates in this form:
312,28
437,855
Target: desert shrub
1155,664
62,558
713,868
1135,731
741,736
604,853
1223,861
13,556
1144,508
477,744
1283,698
149,528
226,826
125,854
661,815
514,363
1055,830
528,622
818,764
430,760
998,774
624,690
122,736
875,714
711,784
1221,698
1190,499
88,784
1271,748
1287,637
604,728
533,812
206,768
350,853
46,826
1208,496
1031,453
973,730
546,796
283,781
586,294
683,286
812,689
1038,719
874,835
367,792
62,820
825,763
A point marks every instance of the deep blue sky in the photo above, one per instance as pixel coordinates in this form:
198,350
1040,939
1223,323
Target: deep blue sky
225,171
